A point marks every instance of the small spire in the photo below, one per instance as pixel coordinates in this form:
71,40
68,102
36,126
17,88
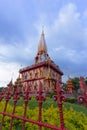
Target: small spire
10,84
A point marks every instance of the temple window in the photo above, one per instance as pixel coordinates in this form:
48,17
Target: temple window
26,75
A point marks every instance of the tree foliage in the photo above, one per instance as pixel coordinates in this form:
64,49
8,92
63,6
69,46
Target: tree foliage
76,84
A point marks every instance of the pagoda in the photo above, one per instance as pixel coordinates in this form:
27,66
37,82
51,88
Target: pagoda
43,69
17,85
70,86
10,86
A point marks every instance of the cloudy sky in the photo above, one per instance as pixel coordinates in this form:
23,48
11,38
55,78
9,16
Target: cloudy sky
65,27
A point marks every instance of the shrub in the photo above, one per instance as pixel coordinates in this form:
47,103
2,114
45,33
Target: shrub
73,120
71,100
50,94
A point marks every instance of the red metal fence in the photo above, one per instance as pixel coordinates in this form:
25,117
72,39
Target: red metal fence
26,97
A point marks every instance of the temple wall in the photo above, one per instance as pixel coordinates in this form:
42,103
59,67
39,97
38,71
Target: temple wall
40,74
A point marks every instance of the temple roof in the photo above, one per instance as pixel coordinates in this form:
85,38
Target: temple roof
42,44
44,63
10,84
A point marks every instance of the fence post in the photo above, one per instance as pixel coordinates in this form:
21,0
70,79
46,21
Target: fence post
26,97
59,98
8,97
16,97
40,99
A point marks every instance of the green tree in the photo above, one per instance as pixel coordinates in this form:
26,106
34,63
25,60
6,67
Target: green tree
85,80
76,84
65,86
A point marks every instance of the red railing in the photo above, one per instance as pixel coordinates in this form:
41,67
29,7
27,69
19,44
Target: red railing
59,97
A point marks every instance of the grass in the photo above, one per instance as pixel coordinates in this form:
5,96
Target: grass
76,107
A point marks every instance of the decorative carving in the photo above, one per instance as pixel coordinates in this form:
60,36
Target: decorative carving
30,75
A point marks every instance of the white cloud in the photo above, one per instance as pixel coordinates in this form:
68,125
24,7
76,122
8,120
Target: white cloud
8,71
67,35
18,52
67,16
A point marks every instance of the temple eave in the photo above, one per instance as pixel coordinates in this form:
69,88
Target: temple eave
45,64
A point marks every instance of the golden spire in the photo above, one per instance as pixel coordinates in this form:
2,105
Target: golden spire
42,45
42,54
